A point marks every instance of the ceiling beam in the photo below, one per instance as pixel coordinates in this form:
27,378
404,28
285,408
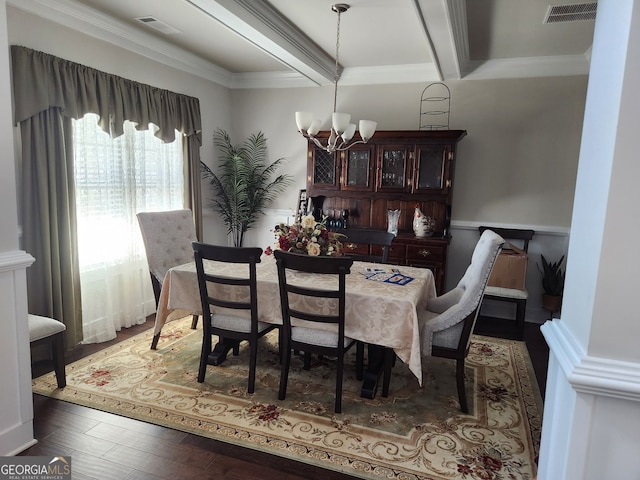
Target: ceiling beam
260,24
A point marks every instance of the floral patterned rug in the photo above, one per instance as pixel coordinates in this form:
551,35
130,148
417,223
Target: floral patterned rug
415,433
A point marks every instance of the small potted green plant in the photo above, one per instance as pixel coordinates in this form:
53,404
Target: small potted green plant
552,284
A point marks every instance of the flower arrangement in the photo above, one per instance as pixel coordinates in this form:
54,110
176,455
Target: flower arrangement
308,237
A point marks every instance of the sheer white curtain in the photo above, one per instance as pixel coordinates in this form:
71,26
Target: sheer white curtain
115,179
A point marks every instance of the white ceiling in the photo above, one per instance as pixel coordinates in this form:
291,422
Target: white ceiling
281,43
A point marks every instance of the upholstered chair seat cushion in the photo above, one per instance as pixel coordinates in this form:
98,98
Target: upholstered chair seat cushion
43,327
314,336
506,292
235,323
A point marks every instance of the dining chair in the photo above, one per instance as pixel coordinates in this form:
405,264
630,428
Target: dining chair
447,323
357,241
45,330
167,238
297,301
224,297
512,295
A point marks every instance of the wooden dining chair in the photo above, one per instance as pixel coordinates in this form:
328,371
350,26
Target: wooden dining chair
366,245
447,323
167,238
232,294
296,300
512,295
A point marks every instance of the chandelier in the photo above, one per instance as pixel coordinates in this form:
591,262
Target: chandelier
342,130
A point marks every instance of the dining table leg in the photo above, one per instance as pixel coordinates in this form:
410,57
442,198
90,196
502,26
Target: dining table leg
221,350
379,360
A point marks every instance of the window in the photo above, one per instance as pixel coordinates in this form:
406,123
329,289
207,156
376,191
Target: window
115,179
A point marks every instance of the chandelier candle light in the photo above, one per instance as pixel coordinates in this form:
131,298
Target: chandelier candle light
342,130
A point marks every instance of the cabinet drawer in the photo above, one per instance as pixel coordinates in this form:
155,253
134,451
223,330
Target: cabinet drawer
355,248
425,253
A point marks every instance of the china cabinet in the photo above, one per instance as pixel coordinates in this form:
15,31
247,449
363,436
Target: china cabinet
395,170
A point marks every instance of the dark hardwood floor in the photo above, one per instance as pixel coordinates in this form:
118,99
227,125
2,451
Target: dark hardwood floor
105,446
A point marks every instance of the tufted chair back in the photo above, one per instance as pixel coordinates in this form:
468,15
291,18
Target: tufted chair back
167,239
447,323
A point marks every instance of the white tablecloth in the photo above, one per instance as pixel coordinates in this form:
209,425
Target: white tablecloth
376,312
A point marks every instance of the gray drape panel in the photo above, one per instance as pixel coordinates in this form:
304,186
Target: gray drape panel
49,230
48,93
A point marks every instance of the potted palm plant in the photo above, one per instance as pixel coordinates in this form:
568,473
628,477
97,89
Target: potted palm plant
246,183
552,284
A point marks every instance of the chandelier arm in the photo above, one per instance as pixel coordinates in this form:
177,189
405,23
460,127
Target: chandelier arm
344,147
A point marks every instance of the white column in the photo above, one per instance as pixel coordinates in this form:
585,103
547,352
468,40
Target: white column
16,407
591,425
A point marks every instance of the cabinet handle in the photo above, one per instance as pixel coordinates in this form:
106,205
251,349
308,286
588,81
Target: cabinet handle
448,183
424,253
352,246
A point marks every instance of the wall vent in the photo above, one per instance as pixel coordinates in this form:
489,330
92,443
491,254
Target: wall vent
571,13
158,25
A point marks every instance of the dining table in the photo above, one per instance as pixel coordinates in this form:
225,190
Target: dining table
382,302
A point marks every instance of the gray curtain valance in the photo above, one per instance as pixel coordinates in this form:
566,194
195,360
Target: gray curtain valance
41,81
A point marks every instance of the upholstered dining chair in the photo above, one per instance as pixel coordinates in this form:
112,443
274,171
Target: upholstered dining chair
447,323
222,296
512,295
167,238
356,241
45,330
331,342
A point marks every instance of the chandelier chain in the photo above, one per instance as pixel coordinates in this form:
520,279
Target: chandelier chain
336,76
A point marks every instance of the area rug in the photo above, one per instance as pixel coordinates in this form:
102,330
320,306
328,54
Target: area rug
415,433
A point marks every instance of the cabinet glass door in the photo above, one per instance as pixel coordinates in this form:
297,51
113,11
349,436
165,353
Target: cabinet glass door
357,169
393,168
432,169
324,169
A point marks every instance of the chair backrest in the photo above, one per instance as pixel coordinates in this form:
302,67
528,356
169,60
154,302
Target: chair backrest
466,297
238,293
167,239
358,236
522,235
293,294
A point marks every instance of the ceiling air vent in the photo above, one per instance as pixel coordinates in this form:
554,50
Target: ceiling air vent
156,24
571,13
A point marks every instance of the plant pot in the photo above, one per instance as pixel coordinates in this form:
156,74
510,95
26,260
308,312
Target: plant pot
552,303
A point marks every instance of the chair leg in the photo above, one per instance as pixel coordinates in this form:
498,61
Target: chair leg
339,374
284,374
204,356
521,307
253,354
154,342
462,393
194,322
57,353
307,361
